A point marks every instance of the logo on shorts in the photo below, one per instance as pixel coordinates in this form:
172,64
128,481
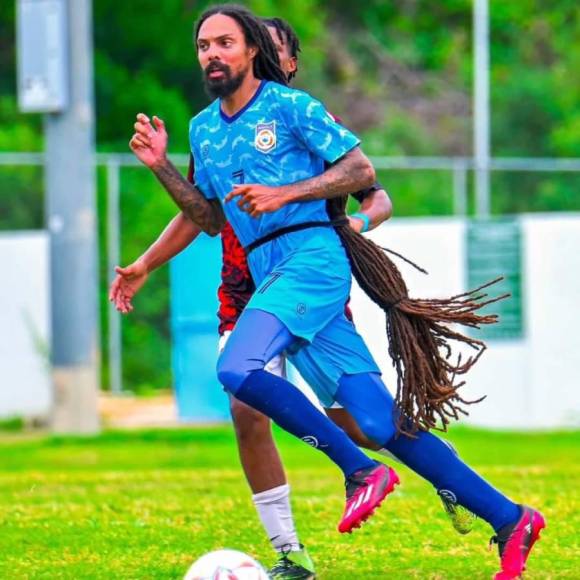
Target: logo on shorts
301,308
205,151
265,136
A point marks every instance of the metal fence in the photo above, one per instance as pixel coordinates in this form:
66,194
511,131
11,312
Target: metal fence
459,167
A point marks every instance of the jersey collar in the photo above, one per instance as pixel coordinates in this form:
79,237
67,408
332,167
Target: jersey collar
231,119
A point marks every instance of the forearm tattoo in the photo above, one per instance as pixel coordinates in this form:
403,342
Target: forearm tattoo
352,173
207,214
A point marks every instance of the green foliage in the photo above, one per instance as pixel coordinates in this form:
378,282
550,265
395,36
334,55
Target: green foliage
147,504
399,73
14,424
145,210
21,199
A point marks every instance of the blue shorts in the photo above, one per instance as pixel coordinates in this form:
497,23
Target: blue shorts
336,350
303,279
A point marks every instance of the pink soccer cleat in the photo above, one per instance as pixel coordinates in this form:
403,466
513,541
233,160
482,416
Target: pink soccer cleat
515,542
365,490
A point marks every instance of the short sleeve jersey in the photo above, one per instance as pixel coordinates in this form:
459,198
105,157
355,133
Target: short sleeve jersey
281,136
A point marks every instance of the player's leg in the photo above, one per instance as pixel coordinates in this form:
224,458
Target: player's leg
342,355
321,365
517,527
271,493
265,475
258,453
369,401
461,518
257,338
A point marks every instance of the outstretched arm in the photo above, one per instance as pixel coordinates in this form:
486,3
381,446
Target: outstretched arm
179,233
149,144
352,172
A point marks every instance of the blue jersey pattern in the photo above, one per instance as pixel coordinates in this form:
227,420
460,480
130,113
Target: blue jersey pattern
281,136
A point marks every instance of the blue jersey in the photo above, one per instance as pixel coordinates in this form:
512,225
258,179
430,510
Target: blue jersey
281,136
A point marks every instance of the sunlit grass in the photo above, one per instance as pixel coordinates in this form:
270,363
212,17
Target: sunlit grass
146,504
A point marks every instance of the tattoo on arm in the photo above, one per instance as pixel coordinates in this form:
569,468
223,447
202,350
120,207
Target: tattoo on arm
207,214
351,173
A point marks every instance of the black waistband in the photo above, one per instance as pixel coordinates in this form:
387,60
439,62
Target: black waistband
289,229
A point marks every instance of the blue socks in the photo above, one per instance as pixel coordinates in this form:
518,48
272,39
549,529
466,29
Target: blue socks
259,337
432,459
291,409
367,399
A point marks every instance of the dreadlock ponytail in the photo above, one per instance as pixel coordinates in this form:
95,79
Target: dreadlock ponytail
418,333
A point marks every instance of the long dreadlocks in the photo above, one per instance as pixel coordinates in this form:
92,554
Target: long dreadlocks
266,62
418,332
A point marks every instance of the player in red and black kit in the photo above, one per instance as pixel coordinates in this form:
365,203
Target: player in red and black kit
258,453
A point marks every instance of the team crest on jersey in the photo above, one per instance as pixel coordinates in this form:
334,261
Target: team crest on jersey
265,136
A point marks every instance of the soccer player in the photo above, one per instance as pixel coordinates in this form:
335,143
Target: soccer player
258,453
259,153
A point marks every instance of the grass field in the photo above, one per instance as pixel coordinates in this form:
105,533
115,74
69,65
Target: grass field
146,504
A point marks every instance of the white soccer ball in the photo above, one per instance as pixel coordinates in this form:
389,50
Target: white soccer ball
226,565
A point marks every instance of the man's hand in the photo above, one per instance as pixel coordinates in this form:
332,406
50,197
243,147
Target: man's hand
257,199
126,284
149,143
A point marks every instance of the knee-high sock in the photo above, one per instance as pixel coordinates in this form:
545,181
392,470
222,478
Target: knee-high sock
273,506
257,338
367,399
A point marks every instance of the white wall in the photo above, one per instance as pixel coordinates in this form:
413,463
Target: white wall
530,382
553,299
24,324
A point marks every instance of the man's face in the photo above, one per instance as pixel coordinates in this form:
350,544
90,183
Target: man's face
223,55
288,63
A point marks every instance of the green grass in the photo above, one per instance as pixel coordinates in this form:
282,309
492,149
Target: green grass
146,504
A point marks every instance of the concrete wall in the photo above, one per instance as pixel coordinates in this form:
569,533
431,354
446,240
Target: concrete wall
530,382
24,325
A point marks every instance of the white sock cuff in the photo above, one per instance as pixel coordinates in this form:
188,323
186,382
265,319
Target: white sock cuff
271,495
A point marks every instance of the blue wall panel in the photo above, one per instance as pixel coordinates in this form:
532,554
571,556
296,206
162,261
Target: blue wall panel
195,277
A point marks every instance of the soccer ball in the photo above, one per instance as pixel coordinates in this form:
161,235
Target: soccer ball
226,565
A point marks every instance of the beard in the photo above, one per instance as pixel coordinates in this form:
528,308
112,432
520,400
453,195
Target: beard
225,86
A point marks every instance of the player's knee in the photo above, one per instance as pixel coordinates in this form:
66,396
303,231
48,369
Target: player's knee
346,422
361,440
250,425
380,432
231,374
